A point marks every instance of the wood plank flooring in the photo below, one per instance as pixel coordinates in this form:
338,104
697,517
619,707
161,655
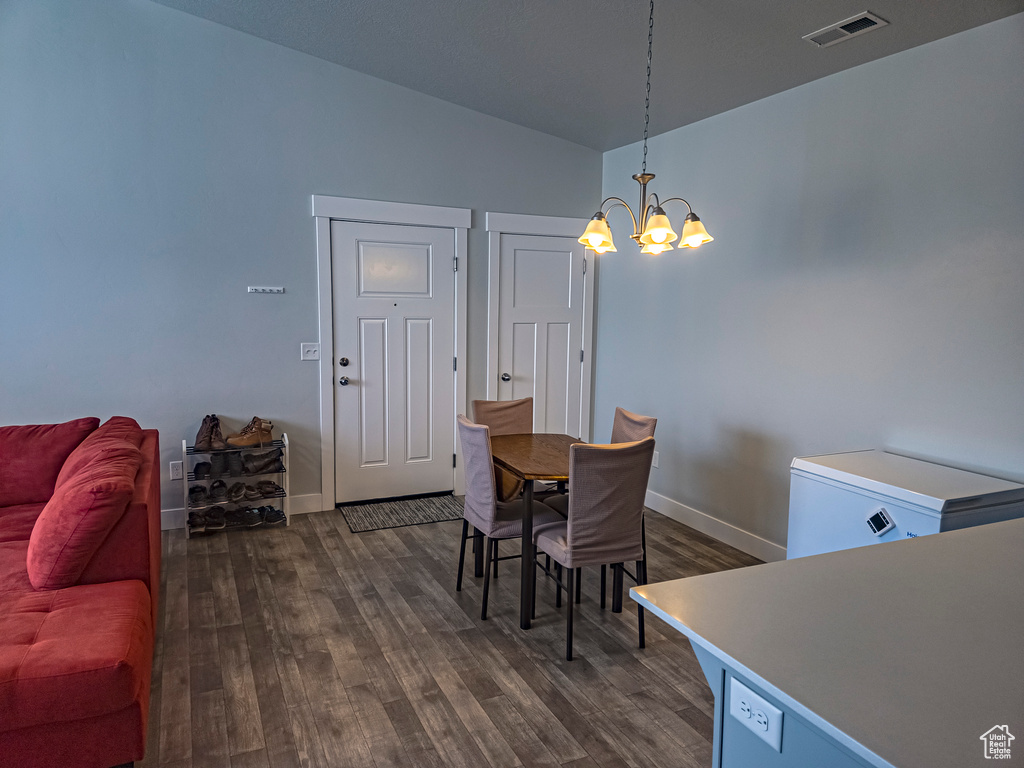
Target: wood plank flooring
313,646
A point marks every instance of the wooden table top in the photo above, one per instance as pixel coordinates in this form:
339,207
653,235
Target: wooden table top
538,456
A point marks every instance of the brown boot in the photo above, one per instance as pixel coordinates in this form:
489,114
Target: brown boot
204,435
256,432
217,442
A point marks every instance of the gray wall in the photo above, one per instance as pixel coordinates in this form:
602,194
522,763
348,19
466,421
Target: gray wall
865,288
152,165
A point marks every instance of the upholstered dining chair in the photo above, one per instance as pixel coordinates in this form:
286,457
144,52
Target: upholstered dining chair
626,427
483,512
505,417
607,484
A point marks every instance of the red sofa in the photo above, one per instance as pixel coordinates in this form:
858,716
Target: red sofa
79,582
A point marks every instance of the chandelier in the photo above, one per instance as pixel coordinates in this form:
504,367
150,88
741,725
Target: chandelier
652,231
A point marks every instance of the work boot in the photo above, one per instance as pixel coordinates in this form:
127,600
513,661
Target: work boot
216,437
204,435
218,464
256,432
256,463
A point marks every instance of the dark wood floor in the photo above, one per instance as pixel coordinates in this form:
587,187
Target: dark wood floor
313,646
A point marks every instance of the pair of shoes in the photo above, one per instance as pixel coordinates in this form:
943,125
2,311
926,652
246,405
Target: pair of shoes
268,489
246,517
236,492
202,470
234,461
218,491
256,432
218,464
215,519
196,522
251,493
263,463
197,495
209,437
272,516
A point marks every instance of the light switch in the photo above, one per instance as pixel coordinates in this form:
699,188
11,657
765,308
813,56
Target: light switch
309,351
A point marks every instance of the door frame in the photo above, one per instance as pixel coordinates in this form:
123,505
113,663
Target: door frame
499,224
327,208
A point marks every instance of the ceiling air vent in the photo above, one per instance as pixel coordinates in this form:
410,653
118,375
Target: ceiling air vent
844,30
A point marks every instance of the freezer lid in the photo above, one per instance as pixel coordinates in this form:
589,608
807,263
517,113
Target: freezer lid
934,486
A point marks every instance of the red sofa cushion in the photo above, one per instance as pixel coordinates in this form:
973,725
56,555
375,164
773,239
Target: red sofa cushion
16,522
13,576
115,431
78,517
73,653
31,457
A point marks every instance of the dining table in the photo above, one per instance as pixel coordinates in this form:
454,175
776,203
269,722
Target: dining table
535,456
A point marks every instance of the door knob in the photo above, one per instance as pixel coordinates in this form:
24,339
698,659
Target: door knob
343,381
506,377
343,362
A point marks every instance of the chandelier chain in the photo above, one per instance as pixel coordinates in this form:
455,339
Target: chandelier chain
647,103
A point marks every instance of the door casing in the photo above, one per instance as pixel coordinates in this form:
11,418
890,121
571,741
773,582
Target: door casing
499,224
327,208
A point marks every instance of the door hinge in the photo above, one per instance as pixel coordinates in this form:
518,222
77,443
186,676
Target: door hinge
581,355
455,264
584,265
453,461
455,363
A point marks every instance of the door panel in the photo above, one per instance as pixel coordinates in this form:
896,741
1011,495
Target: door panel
394,296
540,327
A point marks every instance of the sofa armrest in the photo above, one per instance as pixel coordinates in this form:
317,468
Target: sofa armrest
132,550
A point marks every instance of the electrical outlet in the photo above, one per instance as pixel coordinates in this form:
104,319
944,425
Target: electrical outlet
654,462
309,351
176,473
762,718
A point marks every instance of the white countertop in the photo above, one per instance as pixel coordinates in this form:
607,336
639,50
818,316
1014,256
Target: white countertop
905,652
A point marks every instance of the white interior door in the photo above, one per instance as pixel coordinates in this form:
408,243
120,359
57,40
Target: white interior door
394,342
540,328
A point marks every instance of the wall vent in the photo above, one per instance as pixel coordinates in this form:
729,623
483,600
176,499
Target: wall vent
844,30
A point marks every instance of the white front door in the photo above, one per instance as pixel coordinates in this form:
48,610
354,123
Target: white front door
394,344
540,329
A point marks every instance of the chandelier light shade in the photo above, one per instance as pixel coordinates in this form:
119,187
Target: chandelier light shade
652,229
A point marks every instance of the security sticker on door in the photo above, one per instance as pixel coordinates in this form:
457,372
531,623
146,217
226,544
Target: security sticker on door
879,522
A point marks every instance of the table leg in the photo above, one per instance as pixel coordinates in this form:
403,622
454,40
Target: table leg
525,587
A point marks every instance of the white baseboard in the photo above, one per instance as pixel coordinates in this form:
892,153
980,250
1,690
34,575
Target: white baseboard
300,505
725,532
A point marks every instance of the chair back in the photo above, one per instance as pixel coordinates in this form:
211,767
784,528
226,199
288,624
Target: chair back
607,485
481,507
505,417
628,427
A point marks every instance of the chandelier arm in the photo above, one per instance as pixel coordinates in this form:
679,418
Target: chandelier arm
618,202
671,199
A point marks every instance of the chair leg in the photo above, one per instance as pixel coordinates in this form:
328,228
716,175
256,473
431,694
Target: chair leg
495,558
569,573
478,553
579,581
641,577
462,554
533,586
604,576
488,547
616,587
558,589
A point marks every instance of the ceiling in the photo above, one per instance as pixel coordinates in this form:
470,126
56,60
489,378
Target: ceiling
577,68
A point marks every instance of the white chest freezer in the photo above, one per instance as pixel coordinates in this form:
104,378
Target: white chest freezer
834,500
